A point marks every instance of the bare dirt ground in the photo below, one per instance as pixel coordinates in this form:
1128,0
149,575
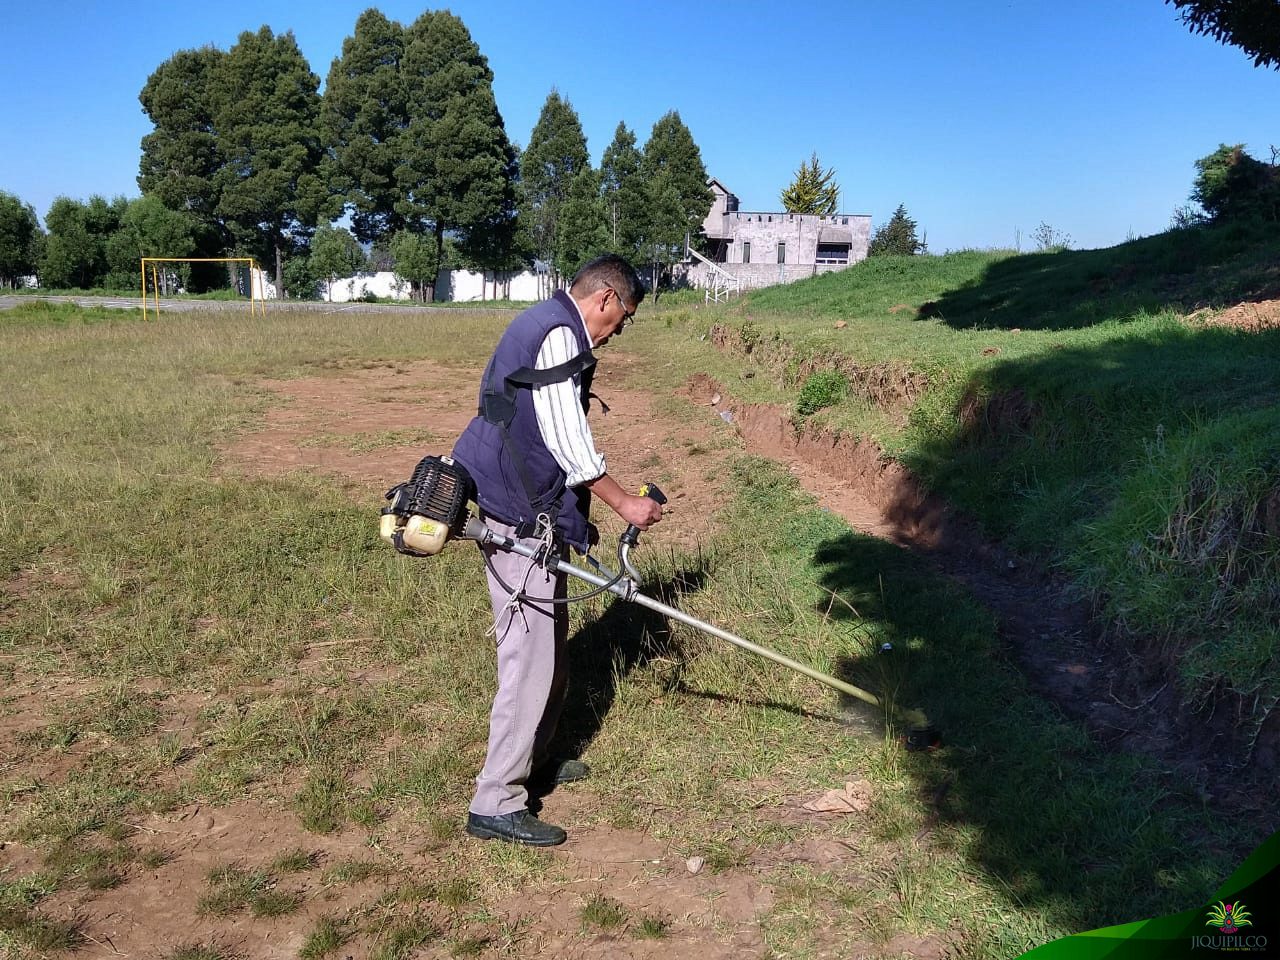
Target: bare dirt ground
367,425
1249,315
432,404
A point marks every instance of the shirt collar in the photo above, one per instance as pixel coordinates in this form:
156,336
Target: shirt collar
582,320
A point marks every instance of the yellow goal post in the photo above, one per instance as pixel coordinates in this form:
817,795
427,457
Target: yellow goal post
150,262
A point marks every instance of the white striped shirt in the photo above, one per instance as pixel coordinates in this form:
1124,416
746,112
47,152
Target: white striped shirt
558,407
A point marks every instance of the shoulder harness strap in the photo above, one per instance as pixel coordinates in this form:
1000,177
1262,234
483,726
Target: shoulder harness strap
499,409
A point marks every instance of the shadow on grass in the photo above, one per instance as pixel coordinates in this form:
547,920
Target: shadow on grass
1078,834
1184,269
1087,835
602,651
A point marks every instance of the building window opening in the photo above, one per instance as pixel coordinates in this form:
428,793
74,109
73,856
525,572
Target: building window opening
746,252
782,253
832,253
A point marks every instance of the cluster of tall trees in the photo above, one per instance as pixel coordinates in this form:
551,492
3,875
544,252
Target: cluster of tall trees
248,158
91,243
641,203
408,141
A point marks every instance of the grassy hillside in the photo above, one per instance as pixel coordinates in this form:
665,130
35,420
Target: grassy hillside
1079,405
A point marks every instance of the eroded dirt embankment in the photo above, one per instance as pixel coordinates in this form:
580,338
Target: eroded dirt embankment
1124,697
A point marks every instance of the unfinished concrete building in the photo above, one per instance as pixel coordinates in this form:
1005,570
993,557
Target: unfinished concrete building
747,248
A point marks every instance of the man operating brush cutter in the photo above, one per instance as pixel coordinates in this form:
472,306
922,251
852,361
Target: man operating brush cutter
529,462
535,466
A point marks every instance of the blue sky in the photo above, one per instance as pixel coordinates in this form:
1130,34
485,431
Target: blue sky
984,118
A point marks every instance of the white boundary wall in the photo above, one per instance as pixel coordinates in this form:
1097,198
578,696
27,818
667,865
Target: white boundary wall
263,289
384,283
457,286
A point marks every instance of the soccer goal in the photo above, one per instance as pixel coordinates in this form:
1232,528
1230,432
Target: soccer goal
249,284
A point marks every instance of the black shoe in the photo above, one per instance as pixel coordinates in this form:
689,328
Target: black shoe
555,772
566,771
519,827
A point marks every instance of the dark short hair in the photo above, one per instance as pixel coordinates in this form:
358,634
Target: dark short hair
609,270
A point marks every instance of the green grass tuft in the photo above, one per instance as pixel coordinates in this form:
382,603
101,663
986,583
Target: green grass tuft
402,938
26,928
198,951
653,928
602,913
326,938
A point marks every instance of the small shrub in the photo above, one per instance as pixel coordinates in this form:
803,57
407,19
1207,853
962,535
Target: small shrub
822,388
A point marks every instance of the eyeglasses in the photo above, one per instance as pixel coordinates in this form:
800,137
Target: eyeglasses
627,315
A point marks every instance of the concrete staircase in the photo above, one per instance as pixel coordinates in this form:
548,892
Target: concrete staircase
721,285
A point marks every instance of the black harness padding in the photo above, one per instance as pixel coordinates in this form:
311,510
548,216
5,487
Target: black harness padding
499,407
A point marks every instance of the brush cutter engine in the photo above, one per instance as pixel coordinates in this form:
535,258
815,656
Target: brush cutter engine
429,509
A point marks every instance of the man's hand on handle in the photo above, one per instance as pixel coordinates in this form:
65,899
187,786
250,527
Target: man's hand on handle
641,512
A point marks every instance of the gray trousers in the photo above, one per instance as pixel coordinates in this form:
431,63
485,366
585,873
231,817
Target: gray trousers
532,676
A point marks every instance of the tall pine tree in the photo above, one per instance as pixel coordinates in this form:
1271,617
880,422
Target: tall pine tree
584,233
266,116
897,237
813,191
557,152
679,197
363,116
180,156
623,188
457,170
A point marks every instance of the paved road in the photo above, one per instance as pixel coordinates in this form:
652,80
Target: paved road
133,303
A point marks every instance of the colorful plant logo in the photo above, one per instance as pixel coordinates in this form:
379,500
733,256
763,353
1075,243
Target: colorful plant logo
1228,917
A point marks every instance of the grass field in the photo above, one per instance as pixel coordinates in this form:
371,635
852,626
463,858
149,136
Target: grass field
183,642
